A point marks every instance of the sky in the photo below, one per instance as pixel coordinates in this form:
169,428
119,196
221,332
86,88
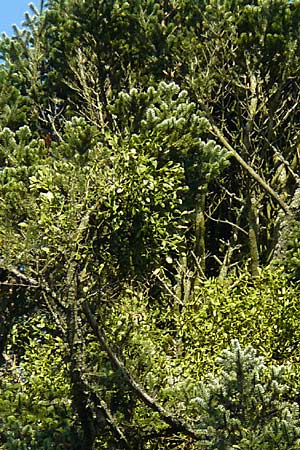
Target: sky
13,12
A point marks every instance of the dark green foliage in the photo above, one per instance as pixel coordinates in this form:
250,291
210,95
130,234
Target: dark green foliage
35,405
14,106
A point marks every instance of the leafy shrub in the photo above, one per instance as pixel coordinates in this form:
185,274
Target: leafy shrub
35,400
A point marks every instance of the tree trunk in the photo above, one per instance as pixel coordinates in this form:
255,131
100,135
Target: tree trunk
200,231
252,233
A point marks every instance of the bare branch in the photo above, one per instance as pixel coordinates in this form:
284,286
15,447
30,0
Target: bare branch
227,222
249,169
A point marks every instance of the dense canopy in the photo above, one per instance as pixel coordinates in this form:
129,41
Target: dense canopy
149,226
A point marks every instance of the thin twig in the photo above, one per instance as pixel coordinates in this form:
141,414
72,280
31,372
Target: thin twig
167,288
227,222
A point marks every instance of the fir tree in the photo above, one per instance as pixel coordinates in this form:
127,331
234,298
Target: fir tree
244,407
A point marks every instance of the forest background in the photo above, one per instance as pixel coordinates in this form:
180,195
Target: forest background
149,226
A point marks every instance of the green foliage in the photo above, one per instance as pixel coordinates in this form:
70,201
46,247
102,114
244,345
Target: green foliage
156,154
172,347
171,127
35,405
244,407
14,106
172,343
111,180
25,72
261,312
291,261
43,198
